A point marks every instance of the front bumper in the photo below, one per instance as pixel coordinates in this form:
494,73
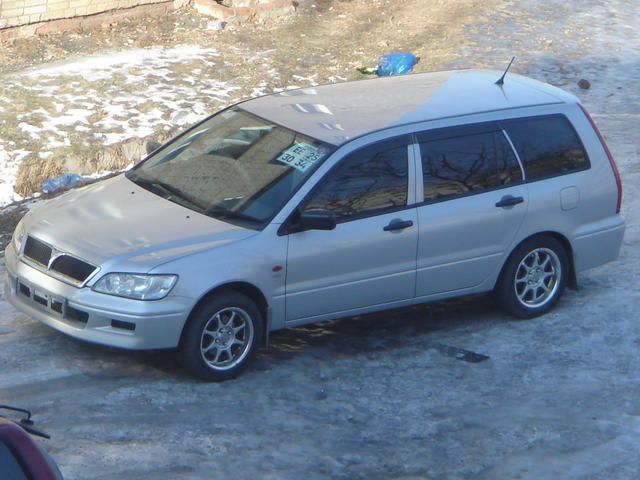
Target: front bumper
91,316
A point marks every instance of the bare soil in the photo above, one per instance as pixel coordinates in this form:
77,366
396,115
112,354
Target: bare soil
324,42
335,35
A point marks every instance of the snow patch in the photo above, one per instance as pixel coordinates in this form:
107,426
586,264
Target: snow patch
80,97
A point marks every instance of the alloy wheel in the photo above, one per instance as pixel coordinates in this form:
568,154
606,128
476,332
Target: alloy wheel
226,338
537,277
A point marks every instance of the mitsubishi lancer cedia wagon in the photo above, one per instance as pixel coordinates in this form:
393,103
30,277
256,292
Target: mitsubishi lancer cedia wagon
326,202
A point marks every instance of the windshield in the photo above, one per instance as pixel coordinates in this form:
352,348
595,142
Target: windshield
233,166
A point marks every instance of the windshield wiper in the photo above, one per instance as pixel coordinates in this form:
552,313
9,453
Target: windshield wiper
223,213
175,195
169,192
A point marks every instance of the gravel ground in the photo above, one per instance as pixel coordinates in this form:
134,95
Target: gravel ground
394,395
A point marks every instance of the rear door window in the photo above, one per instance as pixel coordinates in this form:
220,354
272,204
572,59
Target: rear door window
509,170
547,146
466,164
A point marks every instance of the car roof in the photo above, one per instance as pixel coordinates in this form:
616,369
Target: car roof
340,112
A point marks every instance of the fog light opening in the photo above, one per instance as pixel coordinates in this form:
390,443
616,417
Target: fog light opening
123,325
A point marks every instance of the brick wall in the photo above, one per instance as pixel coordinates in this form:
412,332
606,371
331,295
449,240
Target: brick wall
20,18
22,12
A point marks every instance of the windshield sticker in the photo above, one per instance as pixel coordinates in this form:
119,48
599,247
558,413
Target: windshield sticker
300,156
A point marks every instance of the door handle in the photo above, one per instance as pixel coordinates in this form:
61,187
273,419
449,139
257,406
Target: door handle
509,201
396,225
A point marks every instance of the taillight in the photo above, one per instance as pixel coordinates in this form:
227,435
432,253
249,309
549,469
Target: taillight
616,173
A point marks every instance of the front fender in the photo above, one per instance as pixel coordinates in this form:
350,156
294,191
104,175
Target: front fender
259,260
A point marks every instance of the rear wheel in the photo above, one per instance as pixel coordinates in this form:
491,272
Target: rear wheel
221,336
534,277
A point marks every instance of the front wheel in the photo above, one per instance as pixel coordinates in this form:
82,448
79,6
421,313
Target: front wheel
221,336
533,278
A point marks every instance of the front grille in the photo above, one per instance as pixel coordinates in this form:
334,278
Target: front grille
37,251
72,267
63,265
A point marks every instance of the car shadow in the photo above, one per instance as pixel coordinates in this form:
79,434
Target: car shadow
373,333
380,331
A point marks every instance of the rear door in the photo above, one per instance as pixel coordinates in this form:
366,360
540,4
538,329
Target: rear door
475,201
370,257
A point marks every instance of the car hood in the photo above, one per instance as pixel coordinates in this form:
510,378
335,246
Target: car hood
115,223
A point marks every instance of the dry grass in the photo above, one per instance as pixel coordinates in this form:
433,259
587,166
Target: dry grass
33,172
84,161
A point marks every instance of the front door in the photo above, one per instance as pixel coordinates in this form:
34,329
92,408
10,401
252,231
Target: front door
370,257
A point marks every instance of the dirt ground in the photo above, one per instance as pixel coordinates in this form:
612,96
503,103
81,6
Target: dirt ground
385,396
333,34
66,116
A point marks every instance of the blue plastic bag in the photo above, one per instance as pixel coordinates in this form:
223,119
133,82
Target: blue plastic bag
62,181
399,63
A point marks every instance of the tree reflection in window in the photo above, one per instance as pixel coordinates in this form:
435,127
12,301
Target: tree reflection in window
458,166
366,181
508,167
547,146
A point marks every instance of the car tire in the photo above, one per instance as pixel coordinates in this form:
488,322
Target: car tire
533,278
221,336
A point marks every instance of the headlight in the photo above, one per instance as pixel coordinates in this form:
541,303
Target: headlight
136,286
18,237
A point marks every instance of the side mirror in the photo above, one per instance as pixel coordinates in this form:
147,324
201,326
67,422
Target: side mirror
152,146
317,220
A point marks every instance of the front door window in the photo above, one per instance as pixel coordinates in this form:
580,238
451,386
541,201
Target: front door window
369,181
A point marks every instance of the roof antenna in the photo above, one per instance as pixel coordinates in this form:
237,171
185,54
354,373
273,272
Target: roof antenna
501,79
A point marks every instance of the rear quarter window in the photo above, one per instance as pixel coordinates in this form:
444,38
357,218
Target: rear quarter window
547,146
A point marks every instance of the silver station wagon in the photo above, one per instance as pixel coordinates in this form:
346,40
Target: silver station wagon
326,202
